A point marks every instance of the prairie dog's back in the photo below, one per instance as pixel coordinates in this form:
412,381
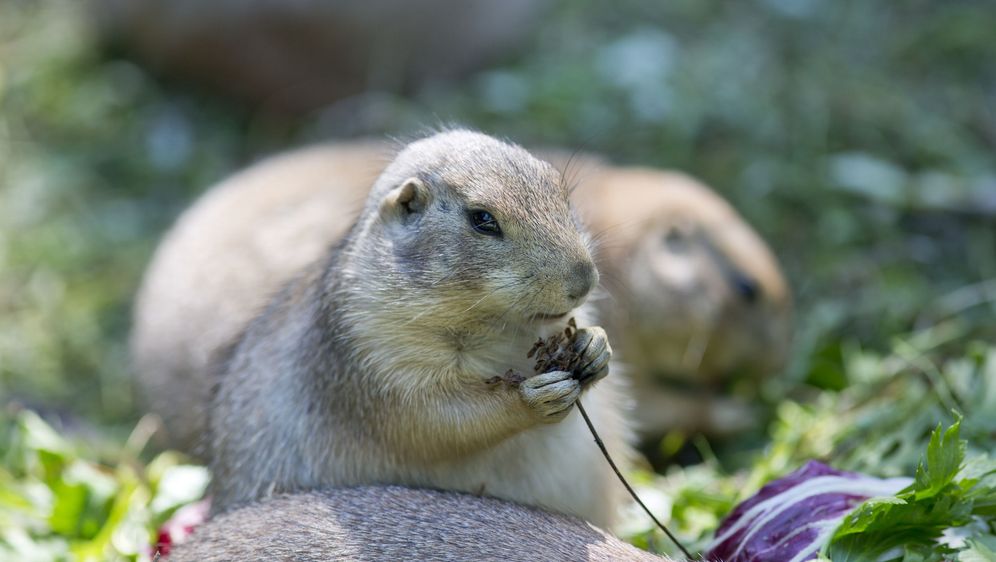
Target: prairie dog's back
224,257
395,523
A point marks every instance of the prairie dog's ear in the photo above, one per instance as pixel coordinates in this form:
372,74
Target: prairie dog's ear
410,198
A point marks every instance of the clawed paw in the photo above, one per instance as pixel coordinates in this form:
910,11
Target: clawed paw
594,354
551,395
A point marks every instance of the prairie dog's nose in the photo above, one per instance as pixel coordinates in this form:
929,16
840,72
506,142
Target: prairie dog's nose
581,280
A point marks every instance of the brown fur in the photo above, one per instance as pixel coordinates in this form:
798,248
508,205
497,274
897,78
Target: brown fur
370,365
695,293
393,523
300,56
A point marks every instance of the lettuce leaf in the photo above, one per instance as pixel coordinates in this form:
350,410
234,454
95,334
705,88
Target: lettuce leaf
947,493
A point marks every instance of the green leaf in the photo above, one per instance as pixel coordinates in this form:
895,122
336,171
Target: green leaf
68,511
940,498
945,455
40,436
866,515
982,549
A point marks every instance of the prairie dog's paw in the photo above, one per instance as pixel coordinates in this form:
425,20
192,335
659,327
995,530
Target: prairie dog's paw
594,352
550,395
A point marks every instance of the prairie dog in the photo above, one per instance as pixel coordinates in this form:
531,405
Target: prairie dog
376,362
393,523
694,293
696,296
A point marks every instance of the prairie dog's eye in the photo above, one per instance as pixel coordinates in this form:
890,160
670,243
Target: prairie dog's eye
485,223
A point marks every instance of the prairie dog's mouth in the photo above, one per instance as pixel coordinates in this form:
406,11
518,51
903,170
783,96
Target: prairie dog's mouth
545,317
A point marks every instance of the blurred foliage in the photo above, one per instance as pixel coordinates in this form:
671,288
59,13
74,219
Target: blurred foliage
61,500
857,137
95,159
880,425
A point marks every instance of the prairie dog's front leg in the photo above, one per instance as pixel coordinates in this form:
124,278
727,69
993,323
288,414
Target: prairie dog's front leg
479,415
551,394
442,424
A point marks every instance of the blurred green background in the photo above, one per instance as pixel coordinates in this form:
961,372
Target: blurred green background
857,137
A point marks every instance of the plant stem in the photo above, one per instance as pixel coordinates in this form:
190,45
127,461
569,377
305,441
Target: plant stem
605,452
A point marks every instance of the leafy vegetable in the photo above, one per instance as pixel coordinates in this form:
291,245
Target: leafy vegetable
948,509
917,523
791,518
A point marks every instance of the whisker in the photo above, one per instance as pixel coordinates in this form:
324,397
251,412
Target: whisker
533,296
524,293
480,300
569,176
697,345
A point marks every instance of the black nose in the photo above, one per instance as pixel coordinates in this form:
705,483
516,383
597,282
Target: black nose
582,280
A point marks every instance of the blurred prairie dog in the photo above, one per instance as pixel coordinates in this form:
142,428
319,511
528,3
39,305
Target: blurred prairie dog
394,523
695,295
376,362
300,56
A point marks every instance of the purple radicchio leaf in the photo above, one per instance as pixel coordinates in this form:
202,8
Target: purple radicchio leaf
791,518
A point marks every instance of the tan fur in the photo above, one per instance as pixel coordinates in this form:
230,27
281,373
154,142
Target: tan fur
225,257
369,366
393,523
694,292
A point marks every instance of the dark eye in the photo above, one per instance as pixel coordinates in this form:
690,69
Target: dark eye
746,287
485,223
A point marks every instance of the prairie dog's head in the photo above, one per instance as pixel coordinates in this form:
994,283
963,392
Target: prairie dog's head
463,227
703,295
